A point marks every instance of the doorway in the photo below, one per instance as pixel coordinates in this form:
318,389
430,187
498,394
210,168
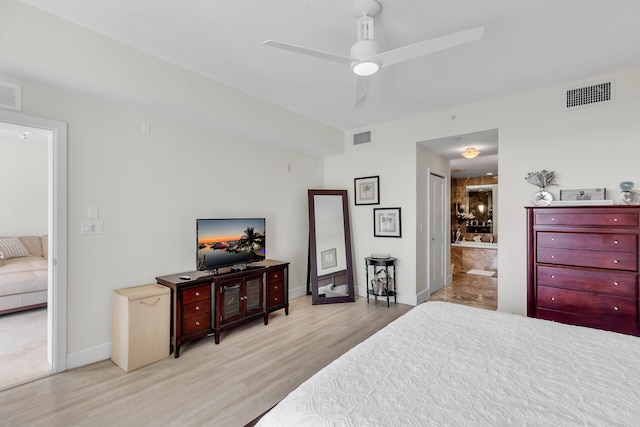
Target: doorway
437,232
55,134
468,284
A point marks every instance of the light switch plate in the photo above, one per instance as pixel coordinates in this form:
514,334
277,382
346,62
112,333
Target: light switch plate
92,227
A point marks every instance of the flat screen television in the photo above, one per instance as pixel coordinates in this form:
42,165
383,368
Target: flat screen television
224,242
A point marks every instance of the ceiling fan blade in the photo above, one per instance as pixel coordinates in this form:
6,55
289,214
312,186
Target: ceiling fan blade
427,47
362,87
307,51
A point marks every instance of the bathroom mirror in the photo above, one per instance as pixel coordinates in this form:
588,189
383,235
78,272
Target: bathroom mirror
480,202
330,257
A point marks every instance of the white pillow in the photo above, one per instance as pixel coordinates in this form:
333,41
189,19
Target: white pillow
12,247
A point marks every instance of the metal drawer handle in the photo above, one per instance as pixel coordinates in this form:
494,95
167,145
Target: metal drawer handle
615,242
275,287
616,308
553,277
615,219
275,299
553,257
197,323
276,275
553,219
197,308
616,283
197,294
553,298
615,261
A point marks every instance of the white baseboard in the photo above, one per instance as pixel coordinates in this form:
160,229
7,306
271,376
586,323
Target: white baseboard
88,356
298,292
423,296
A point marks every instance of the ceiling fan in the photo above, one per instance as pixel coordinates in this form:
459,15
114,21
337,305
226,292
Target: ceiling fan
365,59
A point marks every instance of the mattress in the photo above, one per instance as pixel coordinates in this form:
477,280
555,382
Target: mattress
448,364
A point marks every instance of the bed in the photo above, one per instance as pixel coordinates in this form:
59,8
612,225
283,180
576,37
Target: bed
448,364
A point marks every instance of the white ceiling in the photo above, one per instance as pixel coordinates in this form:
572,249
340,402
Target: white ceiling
526,45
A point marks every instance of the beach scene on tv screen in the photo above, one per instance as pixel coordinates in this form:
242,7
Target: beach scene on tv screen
230,241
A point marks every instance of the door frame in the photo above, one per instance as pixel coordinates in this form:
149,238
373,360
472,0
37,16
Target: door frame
57,229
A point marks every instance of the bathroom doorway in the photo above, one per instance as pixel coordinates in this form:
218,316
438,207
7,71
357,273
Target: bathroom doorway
473,209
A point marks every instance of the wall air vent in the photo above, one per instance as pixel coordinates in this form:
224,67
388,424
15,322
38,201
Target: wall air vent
588,95
10,96
362,138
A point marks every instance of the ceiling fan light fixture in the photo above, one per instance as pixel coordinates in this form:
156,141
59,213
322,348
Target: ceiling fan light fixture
470,153
365,68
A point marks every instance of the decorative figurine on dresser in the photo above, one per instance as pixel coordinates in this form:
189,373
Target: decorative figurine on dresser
583,266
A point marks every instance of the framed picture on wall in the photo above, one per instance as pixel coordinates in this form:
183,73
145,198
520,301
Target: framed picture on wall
367,190
328,258
386,222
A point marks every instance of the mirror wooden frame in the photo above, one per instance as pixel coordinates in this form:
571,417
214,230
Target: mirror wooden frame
313,250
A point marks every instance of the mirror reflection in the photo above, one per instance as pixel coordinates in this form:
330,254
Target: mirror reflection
331,275
480,202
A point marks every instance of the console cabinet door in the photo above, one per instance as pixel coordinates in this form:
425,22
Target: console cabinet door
253,295
230,293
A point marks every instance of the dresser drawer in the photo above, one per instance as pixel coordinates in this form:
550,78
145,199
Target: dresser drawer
615,242
196,323
608,219
582,258
604,323
196,294
275,287
624,284
196,308
587,303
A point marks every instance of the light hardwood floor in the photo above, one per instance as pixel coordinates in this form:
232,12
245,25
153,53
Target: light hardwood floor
229,384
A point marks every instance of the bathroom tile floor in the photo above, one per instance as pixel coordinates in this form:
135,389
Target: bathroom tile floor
470,289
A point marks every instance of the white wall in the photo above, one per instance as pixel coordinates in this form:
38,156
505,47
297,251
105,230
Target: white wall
587,147
23,188
151,188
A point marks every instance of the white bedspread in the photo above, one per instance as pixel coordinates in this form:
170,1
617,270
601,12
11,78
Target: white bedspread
447,364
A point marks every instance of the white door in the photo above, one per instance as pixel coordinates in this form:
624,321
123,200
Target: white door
437,247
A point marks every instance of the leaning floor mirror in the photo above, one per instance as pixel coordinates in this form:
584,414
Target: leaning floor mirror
330,257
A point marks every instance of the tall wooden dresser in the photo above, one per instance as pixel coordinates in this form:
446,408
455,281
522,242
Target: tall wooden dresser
583,266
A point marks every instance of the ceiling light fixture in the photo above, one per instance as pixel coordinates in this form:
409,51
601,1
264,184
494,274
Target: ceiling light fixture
470,153
365,68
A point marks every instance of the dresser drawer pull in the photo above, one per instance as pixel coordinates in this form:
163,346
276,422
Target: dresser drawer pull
616,283
197,308
615,242
276,276
275,299
553,257
553,298
616,308
197,294
553,277
615,219
275,287
553,219
197,323
615,261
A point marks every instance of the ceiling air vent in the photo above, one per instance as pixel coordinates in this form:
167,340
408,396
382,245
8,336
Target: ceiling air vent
10,96
362,138
589,95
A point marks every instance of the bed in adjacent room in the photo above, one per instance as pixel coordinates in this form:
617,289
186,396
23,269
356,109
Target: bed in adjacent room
447,364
